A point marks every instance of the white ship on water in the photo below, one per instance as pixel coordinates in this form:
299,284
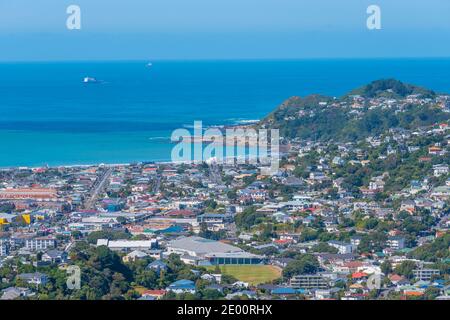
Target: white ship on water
90,80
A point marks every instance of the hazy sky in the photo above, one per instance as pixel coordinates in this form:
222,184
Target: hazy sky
222,29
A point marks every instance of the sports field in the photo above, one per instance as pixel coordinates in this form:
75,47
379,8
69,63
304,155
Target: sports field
253,274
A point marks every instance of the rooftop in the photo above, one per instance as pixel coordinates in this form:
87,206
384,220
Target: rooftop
202,245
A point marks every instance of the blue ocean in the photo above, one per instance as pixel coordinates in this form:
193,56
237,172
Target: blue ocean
48,116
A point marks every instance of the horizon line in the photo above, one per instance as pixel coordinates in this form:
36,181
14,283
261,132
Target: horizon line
225,59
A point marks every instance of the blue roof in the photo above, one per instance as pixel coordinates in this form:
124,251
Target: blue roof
182,284
147,298
284,290
171,229
213,215
157,263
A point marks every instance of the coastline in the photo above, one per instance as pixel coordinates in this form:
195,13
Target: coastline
242,123
104,124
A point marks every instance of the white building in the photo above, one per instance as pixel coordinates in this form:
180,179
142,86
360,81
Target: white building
425,274
3,248
343,247
396,243
440,170
42,243
128,245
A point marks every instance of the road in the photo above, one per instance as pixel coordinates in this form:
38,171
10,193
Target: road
157,184
97,188
214,173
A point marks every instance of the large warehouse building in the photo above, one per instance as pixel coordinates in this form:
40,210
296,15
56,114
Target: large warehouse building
197,250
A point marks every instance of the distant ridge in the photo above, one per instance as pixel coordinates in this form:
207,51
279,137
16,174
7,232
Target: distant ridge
391,88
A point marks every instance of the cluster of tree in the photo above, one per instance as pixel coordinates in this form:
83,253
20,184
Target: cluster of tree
105,276
248,218
434,251
107,234
372,242
302,264
323,247
391,88
213,235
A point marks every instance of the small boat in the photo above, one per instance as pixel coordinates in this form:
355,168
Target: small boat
149,65
90,80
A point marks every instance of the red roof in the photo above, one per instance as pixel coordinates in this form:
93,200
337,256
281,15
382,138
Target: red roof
413,293
282,241
353,264
358,275
154,292
180,213
395,278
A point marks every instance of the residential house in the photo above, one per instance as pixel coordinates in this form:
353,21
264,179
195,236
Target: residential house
54,256
36,278
157,266
182,286
13,293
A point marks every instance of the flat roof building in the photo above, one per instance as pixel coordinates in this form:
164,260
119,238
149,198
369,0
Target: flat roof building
211,251
309,281
128,245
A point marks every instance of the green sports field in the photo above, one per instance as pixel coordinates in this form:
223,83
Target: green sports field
253,274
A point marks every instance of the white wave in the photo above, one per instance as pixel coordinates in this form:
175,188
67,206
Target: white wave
159,138
248,121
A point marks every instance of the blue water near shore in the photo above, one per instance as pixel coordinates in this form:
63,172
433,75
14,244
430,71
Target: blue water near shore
48,116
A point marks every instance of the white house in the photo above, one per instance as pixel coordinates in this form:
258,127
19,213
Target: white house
343,247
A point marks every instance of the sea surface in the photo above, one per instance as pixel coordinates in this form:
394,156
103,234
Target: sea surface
48,116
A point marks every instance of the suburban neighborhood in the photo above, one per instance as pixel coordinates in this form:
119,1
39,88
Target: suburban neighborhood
349,219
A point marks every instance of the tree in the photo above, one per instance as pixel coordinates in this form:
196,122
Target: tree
107,234
431,293
323,247
434,251
76,234
248,218
305,264
406,269
121,220
211,294
210,204
228,279
386,267
147,278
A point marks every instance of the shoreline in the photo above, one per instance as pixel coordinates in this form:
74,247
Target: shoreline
67,166
242,123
